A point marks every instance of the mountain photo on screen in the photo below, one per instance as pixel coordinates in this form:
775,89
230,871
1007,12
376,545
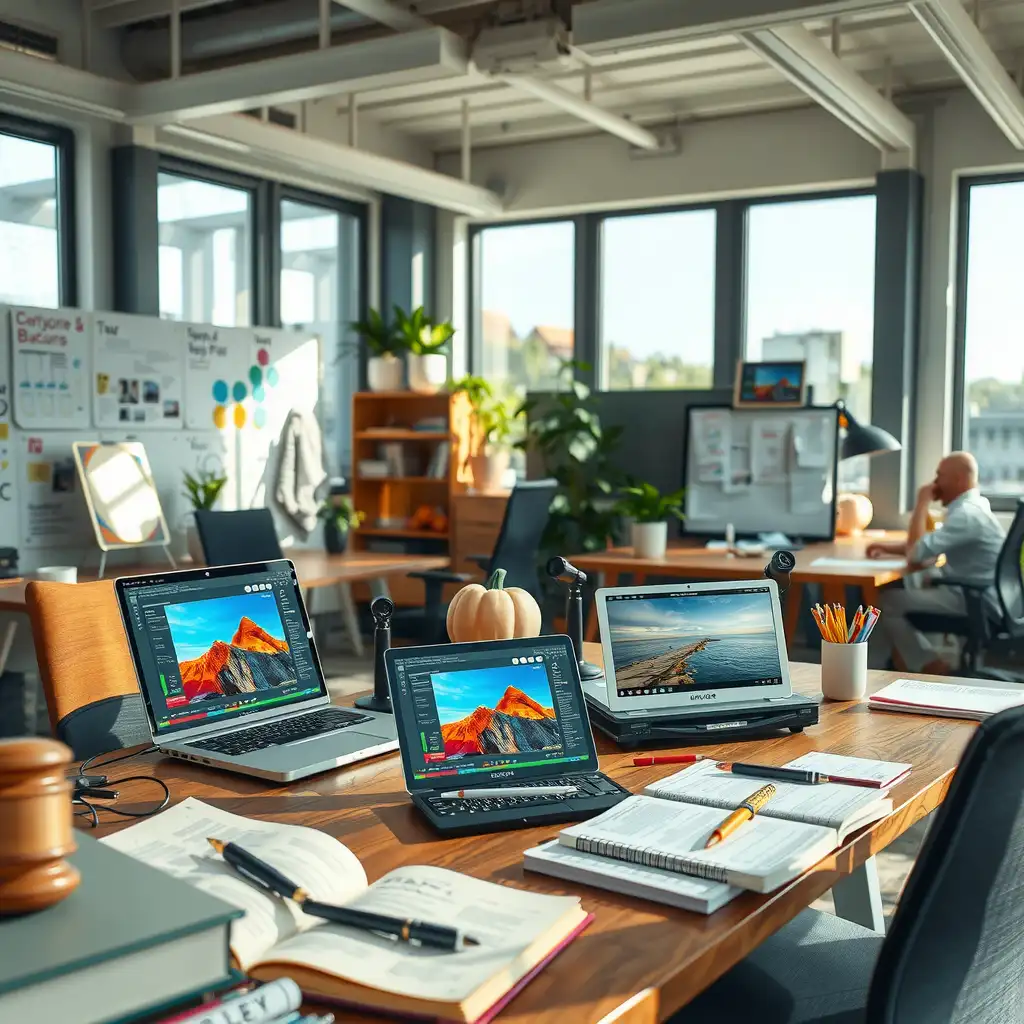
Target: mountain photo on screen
229,645
506,709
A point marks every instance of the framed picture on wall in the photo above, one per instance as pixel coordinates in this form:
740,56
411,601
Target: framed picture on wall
773,385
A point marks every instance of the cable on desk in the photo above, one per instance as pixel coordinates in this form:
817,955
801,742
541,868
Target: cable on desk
90,787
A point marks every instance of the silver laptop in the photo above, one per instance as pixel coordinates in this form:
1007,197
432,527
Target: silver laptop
230,675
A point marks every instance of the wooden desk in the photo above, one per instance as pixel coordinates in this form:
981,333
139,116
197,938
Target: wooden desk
633,947
690,560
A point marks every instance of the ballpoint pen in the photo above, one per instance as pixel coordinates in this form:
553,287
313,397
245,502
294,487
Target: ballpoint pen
266,877
744,813
766,771
641,762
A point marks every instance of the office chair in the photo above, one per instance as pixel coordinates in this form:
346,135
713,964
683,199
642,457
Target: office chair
233,538
955,949
85,667
517,551
982,630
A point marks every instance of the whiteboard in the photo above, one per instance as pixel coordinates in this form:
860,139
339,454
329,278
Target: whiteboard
762,470
52,509
217,361
138,377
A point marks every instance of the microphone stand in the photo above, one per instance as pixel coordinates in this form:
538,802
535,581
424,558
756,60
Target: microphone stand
380,699
574,627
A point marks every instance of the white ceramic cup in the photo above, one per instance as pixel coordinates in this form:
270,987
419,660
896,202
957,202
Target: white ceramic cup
57,573
844,670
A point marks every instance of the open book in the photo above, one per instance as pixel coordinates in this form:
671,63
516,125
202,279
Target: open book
947,700
519,932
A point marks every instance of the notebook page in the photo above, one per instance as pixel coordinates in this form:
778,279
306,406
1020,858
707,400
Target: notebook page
761,848
830,804
866,769
986,700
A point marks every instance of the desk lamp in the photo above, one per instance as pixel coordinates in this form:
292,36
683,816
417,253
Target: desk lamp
854,511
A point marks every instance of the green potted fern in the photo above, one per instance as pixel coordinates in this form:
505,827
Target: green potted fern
202,490
385,345
427,344
649,511
339,518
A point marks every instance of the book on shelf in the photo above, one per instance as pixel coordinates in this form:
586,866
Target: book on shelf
519,932
947,700
85,958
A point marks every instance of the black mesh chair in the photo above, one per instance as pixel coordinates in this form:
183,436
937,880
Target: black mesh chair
517,551
234,538
983,631
954,952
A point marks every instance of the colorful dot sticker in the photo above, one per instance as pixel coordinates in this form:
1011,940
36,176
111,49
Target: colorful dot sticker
239,391
220,417
258,393
256,376
263,357
273,377
239,416
220,391
259,417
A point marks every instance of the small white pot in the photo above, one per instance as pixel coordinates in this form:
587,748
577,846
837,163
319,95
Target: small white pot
488,470
650,539
384,373
428,374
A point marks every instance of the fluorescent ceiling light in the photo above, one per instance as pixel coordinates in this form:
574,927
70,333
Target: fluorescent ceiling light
424,56
811,66
975,62
353,166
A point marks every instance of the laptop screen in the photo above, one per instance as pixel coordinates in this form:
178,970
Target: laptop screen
707,639
501,710
212,646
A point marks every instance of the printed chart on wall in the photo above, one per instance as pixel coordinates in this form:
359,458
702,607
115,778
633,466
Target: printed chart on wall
8,506
53,510
138,372
217,363
50,368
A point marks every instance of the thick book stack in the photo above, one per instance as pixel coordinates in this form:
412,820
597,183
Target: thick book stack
947,700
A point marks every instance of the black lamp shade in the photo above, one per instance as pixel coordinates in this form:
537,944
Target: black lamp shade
864,439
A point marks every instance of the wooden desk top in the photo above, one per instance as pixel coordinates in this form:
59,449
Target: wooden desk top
688,558
632,945
314,569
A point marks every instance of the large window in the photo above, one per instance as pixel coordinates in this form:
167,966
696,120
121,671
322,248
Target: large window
36,257
810,291
206,246
991,319
658,300
526,321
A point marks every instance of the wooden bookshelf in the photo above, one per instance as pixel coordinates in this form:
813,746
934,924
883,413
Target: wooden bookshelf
385,421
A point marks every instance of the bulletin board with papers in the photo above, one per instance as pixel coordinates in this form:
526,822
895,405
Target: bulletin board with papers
764,471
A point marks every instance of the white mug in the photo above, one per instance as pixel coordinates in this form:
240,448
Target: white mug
844,670
57,573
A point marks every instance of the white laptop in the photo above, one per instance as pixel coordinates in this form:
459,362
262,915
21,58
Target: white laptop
230,675
691,648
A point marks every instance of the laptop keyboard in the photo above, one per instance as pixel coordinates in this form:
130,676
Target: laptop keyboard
288,730
587,785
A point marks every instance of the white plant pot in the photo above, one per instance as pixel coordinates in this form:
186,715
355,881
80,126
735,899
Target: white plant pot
488,470
428,374
384,373
650,539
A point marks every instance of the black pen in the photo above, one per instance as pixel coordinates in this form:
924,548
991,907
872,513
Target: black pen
764,771
266,877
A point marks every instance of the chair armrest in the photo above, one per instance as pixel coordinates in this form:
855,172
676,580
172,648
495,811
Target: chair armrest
976,588
440,576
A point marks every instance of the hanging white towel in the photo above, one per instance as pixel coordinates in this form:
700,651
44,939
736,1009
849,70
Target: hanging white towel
300,470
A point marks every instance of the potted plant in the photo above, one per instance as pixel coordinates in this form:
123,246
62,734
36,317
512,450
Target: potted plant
650,509
426,342
490,433
339,517
202,490
385,345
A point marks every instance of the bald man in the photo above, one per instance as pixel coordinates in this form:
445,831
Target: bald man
970,538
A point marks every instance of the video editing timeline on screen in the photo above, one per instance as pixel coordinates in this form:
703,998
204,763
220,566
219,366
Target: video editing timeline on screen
484,711
213,648
675,642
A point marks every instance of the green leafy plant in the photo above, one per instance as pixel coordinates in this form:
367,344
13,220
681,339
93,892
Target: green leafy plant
341,512
420,335
380,336
493,423
203,489
565,431
644,503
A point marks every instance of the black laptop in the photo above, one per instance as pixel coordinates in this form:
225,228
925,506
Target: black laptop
503,714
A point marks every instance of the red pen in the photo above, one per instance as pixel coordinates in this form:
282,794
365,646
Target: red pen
643,762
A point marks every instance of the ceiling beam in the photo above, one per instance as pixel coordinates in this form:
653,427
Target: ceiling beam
812,67
387,13
107,14
411,57
65,87
975,62
610,26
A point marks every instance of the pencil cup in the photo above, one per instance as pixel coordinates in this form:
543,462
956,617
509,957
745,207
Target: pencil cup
844,671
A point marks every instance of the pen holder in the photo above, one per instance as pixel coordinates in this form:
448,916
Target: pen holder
844,670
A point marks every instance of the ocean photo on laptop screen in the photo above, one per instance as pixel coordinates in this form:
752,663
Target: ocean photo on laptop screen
226,646
501,710
675,642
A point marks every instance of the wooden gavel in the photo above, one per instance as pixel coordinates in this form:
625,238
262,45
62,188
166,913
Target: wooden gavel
35,825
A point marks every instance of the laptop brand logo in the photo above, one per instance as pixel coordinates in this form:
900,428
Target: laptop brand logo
502,775
703,696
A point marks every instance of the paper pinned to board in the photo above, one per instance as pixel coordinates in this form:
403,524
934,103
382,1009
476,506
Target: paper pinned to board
711,446
768,452
809,445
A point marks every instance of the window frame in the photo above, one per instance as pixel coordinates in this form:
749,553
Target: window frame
1000,502
63,141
